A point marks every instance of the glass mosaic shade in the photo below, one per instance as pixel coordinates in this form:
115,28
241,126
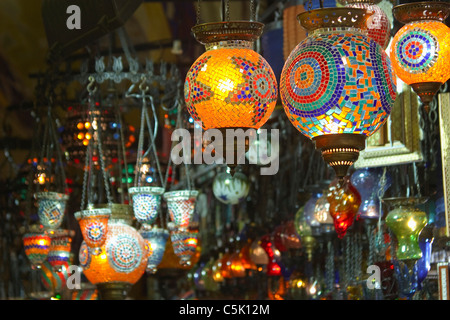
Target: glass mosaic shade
230,85
37,247
123,257
378,25
337,85
146,204
184,244
51,208
155,239
420,51
181,205
94,227
60,247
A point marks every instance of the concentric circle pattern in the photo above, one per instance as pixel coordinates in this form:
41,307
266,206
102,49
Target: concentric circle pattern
124,254
421,52
84,255
145,207
96,231
337,82
230,86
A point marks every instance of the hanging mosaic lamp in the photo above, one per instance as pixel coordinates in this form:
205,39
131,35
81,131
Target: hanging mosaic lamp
123,257
420,50
181,205
337,85
406,222
231,189
146,204
51,208
60,247
230,85
344,202
94,227
184,244
378,25
156,239
37,246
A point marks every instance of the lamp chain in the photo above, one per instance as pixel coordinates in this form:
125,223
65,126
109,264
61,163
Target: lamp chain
380,238
198,12
252,10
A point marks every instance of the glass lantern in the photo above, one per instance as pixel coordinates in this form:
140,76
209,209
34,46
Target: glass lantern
420,50
181,205
37,246
337,85
146,204
94,227
60,247
184,244
156,239
51,208
123,257
230,189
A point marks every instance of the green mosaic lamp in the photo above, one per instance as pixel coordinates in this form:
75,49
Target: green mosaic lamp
337,85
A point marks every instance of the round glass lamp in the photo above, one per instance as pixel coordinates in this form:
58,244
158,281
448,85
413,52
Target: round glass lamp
231,189
230,85
420,51
337,86
123,257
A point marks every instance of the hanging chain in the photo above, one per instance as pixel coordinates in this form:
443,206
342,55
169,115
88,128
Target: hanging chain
309,5
227,11
198,12
252,10
379,244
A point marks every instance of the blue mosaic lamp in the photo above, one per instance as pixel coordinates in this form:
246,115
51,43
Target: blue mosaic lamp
156,239
337,85
146,204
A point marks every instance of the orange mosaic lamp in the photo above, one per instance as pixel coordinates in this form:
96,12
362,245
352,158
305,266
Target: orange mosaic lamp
420,51
123,256
230,85
337,85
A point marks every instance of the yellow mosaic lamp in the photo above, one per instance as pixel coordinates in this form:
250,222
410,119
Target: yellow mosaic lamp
230,85
420,50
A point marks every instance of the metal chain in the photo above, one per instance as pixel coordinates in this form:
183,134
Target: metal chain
309,5
252,10
227,11
198,12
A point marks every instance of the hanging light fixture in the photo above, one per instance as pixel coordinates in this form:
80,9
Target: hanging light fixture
36,244
156,239
230,85
378,25
420,50
337,86
231,189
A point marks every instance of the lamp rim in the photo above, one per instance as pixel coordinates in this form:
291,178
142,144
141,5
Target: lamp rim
210,32
346,2
334,18
414,12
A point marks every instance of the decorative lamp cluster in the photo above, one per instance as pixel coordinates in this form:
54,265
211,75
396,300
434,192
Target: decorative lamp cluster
337,85
420,50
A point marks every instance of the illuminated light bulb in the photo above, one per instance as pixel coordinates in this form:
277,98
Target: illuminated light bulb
80,126
420,50
85,142
406,222
88,136
80,136
87,125
344,202
230,85
337,85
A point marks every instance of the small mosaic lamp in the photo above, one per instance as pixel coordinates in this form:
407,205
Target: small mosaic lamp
51,208
378,25
337,85
184,244
123,257
230,85
94,227
37,246
146,204
181,205
156,239
420,50
60,247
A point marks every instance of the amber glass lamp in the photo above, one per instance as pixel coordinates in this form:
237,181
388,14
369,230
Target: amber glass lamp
420,50
337,86
230,85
